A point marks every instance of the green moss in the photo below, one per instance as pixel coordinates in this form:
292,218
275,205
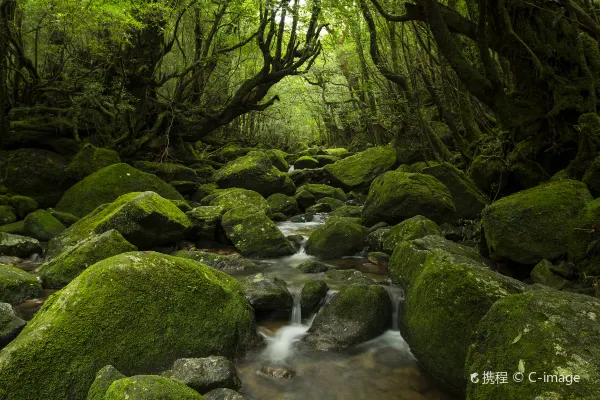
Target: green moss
544,331
144,219
348,211
413,228
18,246
231,152
338,152
306,162
489,173
107,184
150,387
268,293
66,218
321,191
4,200
592,177
443,306
584,239
42,225
17,228
104,378
280,203
168,172
277,158
65,267
305,199
23,205
7,215
205,221
156,309
345,277
231,198
336,238
89,160
313,293
396,196
360,169
333,204
534,224
17,285
223,262
542,274
326,160
204,191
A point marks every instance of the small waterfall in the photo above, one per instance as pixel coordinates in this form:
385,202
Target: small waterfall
291,168
297,309
396,297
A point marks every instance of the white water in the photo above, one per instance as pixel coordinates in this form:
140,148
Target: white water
291,168
396,297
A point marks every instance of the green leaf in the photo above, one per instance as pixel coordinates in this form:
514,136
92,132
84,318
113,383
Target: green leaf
517,338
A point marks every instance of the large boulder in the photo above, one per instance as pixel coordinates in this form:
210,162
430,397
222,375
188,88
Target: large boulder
36,173
7,215
168,172
336,238
205,222
232,198
139,311
490,173
444,303
224,262
547,335
89,160
354,315
18,246
468,199
205,374
144,219
312,295
150,387
306,162
267,293
413,228
254,172
278,160
584,239
42,225
396,196
62,269
359,170
23,205
280,203
104,378
17,285
10,324
107,184
534,224
319,191
254,234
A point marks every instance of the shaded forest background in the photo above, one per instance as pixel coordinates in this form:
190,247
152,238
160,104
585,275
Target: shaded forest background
506,89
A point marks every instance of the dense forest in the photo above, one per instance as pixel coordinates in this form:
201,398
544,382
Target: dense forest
299,199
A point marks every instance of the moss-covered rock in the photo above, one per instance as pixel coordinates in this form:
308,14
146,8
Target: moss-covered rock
314,266
534,224
205,374
490,173
23,205
104,378
336,238
204,173
305,199
333,204
89,160
592,177
107,184
396,196
232,198
16,228
410,229
42,225
278,160
267,293
168,172
231,152
337,152
443,305
223,394
326,160
18,246
10,324
280,203
359,170
348,211
354,315
36,173
144,219
540,332
306,162
584,239
204,191
468,199
254,234
156,309
345,277
320,191
4,200
224,262
150,387
312,296
62,269
7,215
377,237
205,221
17,285
254,172
542,274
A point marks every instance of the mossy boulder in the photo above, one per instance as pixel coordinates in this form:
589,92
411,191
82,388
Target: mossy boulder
335,239
278,160
7,215
348,211
326,160
89,160
532,225
592,177
107,184
137,311
410,229
23,205
345,277
223,262
205,222
150,387
205,374
305,199
16,228
490,173
468,199
4,200
231,198
354,315
320,191
18,246
104,378
337,152
267,293
62,269
314,267
306,162
542,273
280,203
144,219
10,324
254,234
204,173
36,173
312,296
16,285
584,239
443,306
254,172
546,331
42,225
204,191
396,196
376,238
223,394
333,203
230,152
359,170
168,172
